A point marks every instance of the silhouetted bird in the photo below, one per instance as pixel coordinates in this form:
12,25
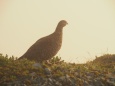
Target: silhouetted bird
47,47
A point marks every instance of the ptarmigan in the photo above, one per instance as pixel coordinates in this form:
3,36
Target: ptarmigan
47,47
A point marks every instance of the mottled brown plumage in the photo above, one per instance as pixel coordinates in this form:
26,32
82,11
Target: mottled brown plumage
47,47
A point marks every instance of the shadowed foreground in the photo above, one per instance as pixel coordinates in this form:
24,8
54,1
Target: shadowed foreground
57,73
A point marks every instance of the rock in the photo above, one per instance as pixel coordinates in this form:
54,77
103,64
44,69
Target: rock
47,71
37,65
32,75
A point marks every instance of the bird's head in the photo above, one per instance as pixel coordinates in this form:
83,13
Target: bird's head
62,23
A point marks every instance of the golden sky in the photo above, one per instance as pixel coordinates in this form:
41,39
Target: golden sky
90,32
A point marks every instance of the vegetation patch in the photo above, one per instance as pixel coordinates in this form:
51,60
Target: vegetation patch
56,72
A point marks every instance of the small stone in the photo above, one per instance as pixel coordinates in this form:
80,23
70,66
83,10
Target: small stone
37,65
76,73
86,83
62,78
47,71
32,75
89,77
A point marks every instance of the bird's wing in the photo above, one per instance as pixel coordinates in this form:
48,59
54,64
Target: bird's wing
38,46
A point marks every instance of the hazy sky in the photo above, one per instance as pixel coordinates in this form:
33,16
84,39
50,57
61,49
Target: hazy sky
90,30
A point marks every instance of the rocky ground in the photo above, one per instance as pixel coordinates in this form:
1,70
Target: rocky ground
56,72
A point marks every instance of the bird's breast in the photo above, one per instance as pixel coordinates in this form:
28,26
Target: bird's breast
55,44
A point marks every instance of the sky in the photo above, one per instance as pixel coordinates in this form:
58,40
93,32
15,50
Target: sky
90,31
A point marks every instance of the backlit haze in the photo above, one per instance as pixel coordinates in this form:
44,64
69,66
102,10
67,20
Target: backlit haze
90,31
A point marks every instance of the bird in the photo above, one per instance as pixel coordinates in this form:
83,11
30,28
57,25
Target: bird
46,47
